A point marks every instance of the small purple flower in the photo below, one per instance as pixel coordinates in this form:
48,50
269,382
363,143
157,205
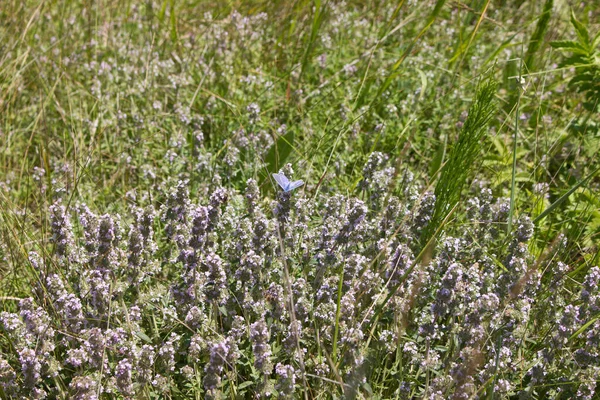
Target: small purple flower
31,367
123,374
286,380
214,368
62,230
259,336
84,388
7,377
168,350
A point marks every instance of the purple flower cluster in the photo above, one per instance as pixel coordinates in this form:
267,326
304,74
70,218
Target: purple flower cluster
223,289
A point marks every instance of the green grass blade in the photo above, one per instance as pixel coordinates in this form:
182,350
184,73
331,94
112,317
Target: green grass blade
565,196
584,327
514,152
538,36
314,31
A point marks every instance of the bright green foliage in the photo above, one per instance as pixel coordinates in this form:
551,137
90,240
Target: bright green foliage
585,58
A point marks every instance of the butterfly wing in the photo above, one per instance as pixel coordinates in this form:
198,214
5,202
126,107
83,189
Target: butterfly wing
294,185
282,181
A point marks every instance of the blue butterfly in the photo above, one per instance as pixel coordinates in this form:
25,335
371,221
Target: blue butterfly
285,183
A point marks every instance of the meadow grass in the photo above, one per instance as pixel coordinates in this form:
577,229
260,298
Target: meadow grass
444,243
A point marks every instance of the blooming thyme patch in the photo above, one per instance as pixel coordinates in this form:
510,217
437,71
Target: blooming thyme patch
212,293
309,200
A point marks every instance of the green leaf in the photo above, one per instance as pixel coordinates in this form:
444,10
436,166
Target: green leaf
570,45
143,336
575,61
223,310
581,79
596,41
582,32
244,385
279,152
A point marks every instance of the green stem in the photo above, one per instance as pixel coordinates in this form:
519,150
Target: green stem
337,315
514,161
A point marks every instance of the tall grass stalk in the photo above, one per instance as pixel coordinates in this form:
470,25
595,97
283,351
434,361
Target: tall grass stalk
514,152
463,156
